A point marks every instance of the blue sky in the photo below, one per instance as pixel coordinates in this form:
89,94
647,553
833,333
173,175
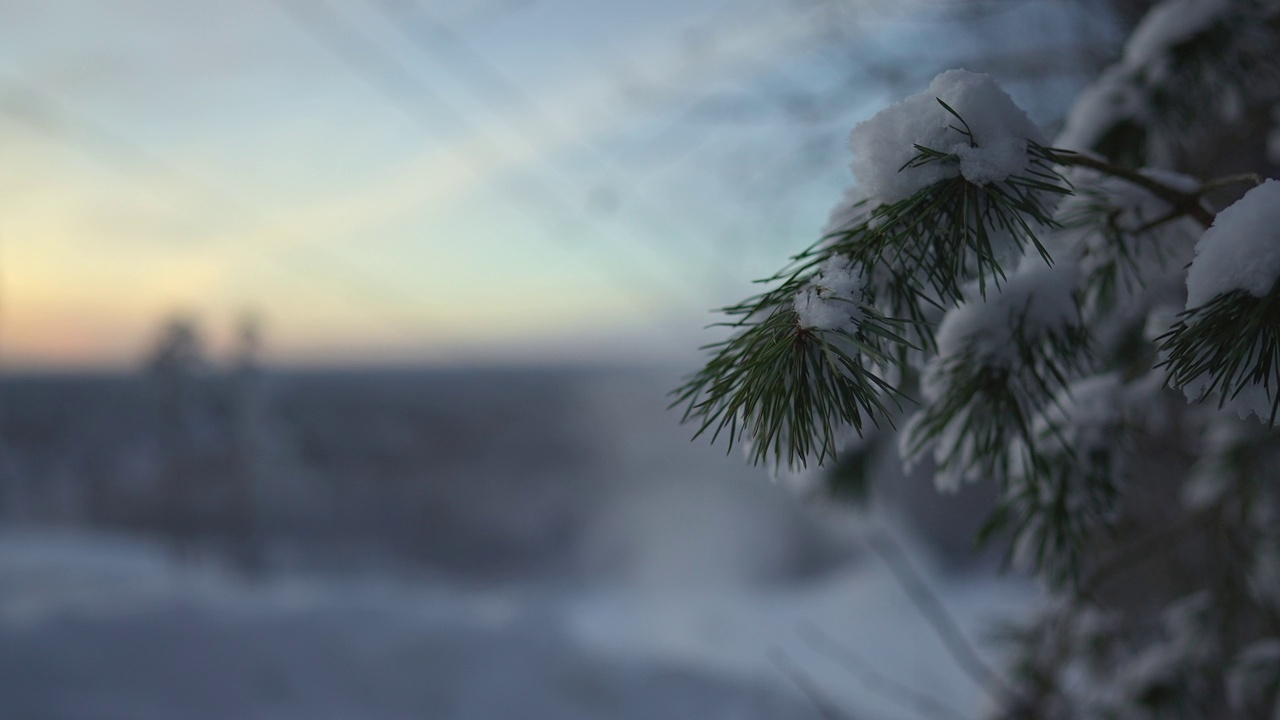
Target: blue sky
495,180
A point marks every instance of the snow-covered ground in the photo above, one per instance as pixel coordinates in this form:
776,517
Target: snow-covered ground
474,545
95,626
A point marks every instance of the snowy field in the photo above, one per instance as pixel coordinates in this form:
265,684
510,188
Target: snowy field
105,627
688,586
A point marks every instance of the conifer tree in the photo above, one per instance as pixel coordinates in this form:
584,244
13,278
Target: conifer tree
1091,323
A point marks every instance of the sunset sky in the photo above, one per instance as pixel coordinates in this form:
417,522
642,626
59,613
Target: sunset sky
391,181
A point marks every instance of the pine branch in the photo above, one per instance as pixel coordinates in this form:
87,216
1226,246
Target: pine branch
1185,203
790,391
1228,346
1228,180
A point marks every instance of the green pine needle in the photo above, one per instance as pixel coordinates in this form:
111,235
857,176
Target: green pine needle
1233,342
788,391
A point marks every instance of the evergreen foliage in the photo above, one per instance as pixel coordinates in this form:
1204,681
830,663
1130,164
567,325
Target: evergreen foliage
1022,313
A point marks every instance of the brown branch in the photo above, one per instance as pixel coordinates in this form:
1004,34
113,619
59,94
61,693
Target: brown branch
1210,185
1182,202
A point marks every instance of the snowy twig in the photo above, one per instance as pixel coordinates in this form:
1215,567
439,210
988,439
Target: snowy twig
1186,203
1228,180
930,606
876,681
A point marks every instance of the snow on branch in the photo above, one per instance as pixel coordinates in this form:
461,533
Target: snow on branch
1227,342
832,299
963,115
1241,251
999,359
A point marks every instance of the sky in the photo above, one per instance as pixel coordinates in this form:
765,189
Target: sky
403,181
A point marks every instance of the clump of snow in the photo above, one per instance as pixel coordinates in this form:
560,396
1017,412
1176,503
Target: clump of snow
997,150
1252,399
994,162
832,299
1035,299
1241,251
